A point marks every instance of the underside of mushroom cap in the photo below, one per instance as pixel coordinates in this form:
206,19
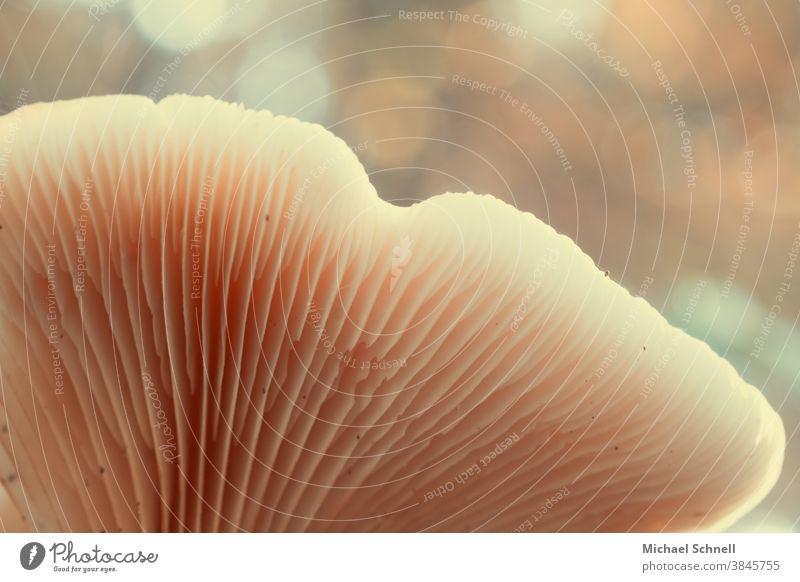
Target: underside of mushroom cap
209,321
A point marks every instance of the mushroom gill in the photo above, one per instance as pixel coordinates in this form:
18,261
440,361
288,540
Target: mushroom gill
209,321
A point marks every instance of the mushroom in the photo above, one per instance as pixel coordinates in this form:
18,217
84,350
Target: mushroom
211,322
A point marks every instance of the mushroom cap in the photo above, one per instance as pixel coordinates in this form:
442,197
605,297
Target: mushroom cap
209,321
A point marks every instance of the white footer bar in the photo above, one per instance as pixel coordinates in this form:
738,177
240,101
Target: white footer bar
416,557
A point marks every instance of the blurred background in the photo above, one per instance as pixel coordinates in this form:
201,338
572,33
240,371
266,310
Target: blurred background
662,137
